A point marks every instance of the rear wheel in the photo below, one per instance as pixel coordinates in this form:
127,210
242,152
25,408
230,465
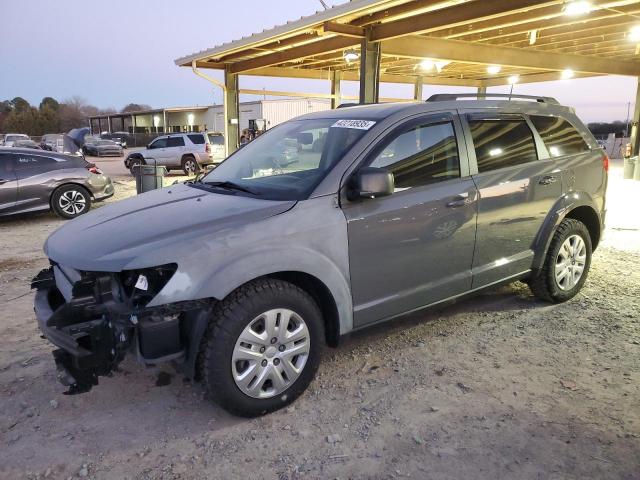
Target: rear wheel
567,263
189,165
70,201
262,347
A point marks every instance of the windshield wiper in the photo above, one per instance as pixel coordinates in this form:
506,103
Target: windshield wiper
231,186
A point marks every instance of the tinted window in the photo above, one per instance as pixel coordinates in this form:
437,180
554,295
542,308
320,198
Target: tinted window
216,139
560,137
6,166
31,162
421,155
197,139
175,142
159,143
502,143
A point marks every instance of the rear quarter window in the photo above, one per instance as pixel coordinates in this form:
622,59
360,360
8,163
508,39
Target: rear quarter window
559,136
197,139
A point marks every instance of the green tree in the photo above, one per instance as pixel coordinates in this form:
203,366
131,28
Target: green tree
19,104
49,102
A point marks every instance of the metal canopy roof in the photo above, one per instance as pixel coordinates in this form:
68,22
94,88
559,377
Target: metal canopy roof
536,40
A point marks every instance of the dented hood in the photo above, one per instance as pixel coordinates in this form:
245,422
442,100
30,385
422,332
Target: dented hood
158,224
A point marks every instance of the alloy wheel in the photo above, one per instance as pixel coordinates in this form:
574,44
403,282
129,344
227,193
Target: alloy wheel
72,202
570,262
270,353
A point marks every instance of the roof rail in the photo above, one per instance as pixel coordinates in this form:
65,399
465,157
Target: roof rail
442,97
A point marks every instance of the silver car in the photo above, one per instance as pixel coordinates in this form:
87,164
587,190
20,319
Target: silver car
377,212
34,180
186,151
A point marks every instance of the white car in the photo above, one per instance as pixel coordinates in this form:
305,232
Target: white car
11,138
186,151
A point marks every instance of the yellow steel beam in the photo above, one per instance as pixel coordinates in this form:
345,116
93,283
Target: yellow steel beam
295,53
343,29
455,50
452,16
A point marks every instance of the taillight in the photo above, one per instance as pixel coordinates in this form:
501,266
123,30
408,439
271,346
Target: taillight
94,169
207,148
605,163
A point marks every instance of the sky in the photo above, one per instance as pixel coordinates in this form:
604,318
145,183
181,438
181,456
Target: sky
118,52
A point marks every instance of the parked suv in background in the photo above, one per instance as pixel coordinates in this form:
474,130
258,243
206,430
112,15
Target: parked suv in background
186,151
378,211
34,180
10,138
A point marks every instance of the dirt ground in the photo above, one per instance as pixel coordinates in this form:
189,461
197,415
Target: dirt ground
501,386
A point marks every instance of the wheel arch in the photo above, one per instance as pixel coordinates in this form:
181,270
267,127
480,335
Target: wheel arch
579,206
65,184
196,322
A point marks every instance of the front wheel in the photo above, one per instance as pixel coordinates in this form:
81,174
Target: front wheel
567,263
262,348
71,201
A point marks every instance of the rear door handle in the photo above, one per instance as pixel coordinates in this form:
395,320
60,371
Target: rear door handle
547,180
462,200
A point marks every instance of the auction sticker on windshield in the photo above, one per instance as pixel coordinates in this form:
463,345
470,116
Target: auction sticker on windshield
358,124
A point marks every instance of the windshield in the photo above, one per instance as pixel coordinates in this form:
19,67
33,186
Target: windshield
288,161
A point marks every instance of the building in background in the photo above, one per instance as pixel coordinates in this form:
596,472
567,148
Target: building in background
257,115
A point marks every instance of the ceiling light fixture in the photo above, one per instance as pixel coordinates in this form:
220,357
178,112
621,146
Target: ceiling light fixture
577,7
493,69
513,79
634,34
566,74
350,55
533,36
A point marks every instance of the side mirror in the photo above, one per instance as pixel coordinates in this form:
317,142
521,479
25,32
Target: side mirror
371,182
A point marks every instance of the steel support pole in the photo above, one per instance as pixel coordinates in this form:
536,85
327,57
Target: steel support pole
231,111
336,77
417,89
635,123
369,71
482,92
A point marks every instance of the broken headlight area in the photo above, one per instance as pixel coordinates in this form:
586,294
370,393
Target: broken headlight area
94,318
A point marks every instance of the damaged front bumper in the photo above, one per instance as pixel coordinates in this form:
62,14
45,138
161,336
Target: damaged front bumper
95,318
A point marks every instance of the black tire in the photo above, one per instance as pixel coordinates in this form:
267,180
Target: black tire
190,165
544,285
134,162
230,318
71,201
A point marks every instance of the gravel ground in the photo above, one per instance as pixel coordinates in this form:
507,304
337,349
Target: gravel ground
499,386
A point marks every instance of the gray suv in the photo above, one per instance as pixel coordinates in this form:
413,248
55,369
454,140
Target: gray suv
325,224
186,151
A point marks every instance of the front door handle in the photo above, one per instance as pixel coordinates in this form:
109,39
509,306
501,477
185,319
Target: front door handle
547,180
462,200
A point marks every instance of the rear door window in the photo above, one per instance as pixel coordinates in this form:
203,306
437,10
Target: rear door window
420,154
175,142
28,165
559,136
197,139
501,143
